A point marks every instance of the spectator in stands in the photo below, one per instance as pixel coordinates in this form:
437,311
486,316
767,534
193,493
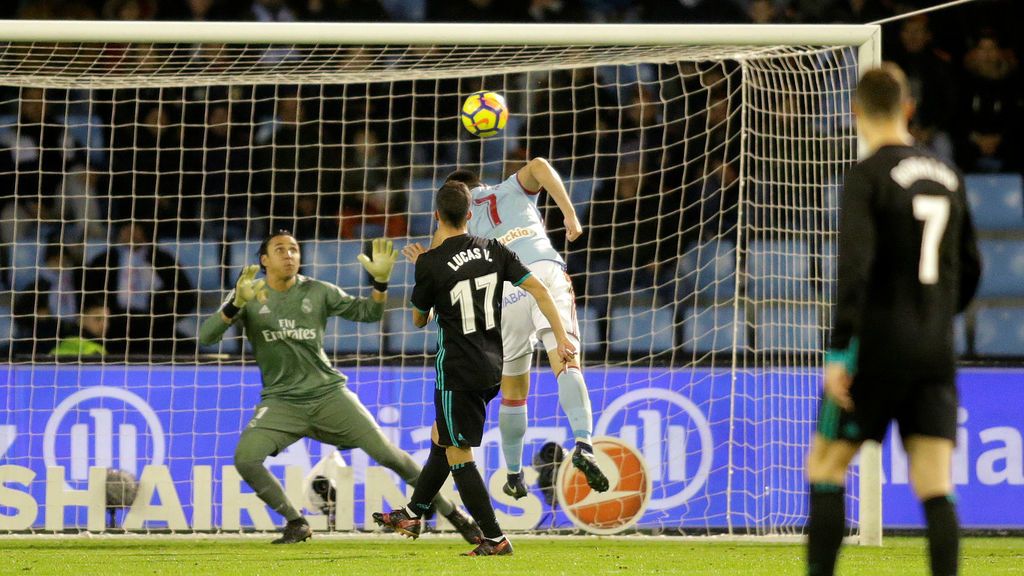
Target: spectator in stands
270,11
27,217
35,328
990,112
62,271
87,337
129,9
345,11
294,179
930,75
622,226
370,194
223,152
555,11
856,11
146,183
39,148
145,290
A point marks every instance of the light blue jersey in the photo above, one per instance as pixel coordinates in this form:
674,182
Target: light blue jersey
508,212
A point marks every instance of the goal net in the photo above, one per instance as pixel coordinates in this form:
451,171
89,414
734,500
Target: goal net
143,164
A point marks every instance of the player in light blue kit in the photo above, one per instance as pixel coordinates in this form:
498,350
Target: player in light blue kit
508,212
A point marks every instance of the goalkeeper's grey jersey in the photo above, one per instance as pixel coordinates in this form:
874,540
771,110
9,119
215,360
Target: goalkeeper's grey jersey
286,330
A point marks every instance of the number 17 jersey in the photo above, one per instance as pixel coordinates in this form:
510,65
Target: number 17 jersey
461,279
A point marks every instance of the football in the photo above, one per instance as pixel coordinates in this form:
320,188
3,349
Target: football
484,114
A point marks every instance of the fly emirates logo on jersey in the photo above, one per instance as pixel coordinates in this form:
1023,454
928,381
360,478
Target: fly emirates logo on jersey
288,331
461,258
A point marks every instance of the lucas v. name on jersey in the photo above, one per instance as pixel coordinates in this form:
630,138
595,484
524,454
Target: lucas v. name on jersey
456,261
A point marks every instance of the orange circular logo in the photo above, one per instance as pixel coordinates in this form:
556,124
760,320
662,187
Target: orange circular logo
627,497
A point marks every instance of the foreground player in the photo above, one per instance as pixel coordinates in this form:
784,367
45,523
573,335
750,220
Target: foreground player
908,263
284,317
458,278
508,212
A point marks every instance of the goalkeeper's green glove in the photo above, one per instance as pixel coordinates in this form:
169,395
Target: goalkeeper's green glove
247,288
383,261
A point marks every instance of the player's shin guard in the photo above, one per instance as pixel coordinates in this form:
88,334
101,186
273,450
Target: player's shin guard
435,472
575,402
943,535
512,422
825,528
475,497
267,488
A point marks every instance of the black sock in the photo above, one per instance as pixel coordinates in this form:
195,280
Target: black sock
429,483
475,497
584,446
943,535
825,528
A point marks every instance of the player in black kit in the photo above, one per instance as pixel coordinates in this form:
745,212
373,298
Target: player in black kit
459,282
908,263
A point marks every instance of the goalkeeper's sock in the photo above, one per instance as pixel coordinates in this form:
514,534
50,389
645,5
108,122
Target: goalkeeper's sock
943,535
512,422
575,402
429,483
267,488
825,528
475,497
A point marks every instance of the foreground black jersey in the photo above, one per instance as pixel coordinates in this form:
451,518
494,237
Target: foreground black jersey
908,262
462,281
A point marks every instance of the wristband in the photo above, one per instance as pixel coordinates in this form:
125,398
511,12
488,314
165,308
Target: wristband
229,310
380,286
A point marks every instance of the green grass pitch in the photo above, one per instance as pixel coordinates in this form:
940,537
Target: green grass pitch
387,555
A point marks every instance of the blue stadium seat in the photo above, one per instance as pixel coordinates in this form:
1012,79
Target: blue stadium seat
1002,268
960,335
403,337
242,253
6,327
26,257
641,330
421,207
997,201
712,329
580,192
201,261
709,270
345,337
788,329
336,262
778,270
403,276
999,331
590,329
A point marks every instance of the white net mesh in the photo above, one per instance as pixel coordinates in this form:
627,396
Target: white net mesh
141,178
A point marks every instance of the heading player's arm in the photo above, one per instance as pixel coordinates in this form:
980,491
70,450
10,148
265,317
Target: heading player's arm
857,246
537,174
247,288
536,288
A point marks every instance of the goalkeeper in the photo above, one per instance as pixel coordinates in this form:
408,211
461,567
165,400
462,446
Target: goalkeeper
284,316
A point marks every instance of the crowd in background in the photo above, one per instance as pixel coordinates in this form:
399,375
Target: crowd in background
329,161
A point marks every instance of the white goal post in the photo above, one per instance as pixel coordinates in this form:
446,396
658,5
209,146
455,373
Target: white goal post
733,137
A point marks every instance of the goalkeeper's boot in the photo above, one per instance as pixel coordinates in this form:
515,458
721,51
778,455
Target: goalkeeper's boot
466,526
491,548
585,462
514,486
295,531
400,521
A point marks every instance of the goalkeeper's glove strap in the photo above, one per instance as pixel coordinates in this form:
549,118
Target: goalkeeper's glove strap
380,286
230,310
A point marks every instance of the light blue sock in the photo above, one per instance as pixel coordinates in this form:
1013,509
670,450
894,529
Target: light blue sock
512,423
575,402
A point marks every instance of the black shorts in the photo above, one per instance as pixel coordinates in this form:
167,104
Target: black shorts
926,407
460,415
